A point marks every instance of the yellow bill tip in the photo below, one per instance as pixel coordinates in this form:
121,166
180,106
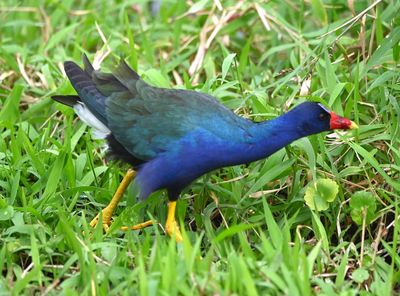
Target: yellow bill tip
353,125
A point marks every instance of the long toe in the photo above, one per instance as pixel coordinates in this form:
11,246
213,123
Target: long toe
138,226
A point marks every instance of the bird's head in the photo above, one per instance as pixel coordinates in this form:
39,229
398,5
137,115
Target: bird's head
314,117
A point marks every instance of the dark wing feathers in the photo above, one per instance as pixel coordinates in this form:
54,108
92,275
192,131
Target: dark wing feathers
107,84
155,119
87,66
122,79
118,152
125,73
147,120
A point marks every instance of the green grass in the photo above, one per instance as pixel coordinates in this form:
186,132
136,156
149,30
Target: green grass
247,228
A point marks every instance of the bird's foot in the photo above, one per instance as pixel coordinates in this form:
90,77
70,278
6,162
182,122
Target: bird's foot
107,214
109,210
107,222
172,230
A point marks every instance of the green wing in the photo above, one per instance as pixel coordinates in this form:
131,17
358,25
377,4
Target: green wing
147,120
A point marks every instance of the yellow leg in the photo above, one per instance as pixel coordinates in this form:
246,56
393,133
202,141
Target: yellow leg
109,210
171,226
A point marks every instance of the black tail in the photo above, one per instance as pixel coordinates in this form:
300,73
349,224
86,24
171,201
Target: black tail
87,91
67,100
93,87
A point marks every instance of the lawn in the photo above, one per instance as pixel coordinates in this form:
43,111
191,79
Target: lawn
320,216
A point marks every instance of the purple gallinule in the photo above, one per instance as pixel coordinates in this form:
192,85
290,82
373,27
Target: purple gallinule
171,137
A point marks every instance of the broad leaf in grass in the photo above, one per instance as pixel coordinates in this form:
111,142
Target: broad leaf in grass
6,213
320,193
360,275
362,201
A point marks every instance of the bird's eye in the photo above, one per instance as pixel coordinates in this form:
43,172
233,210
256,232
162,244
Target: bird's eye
322,116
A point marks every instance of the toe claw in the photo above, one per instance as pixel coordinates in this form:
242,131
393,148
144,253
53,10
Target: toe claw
94,222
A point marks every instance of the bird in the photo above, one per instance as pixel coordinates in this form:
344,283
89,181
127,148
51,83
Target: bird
170,137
